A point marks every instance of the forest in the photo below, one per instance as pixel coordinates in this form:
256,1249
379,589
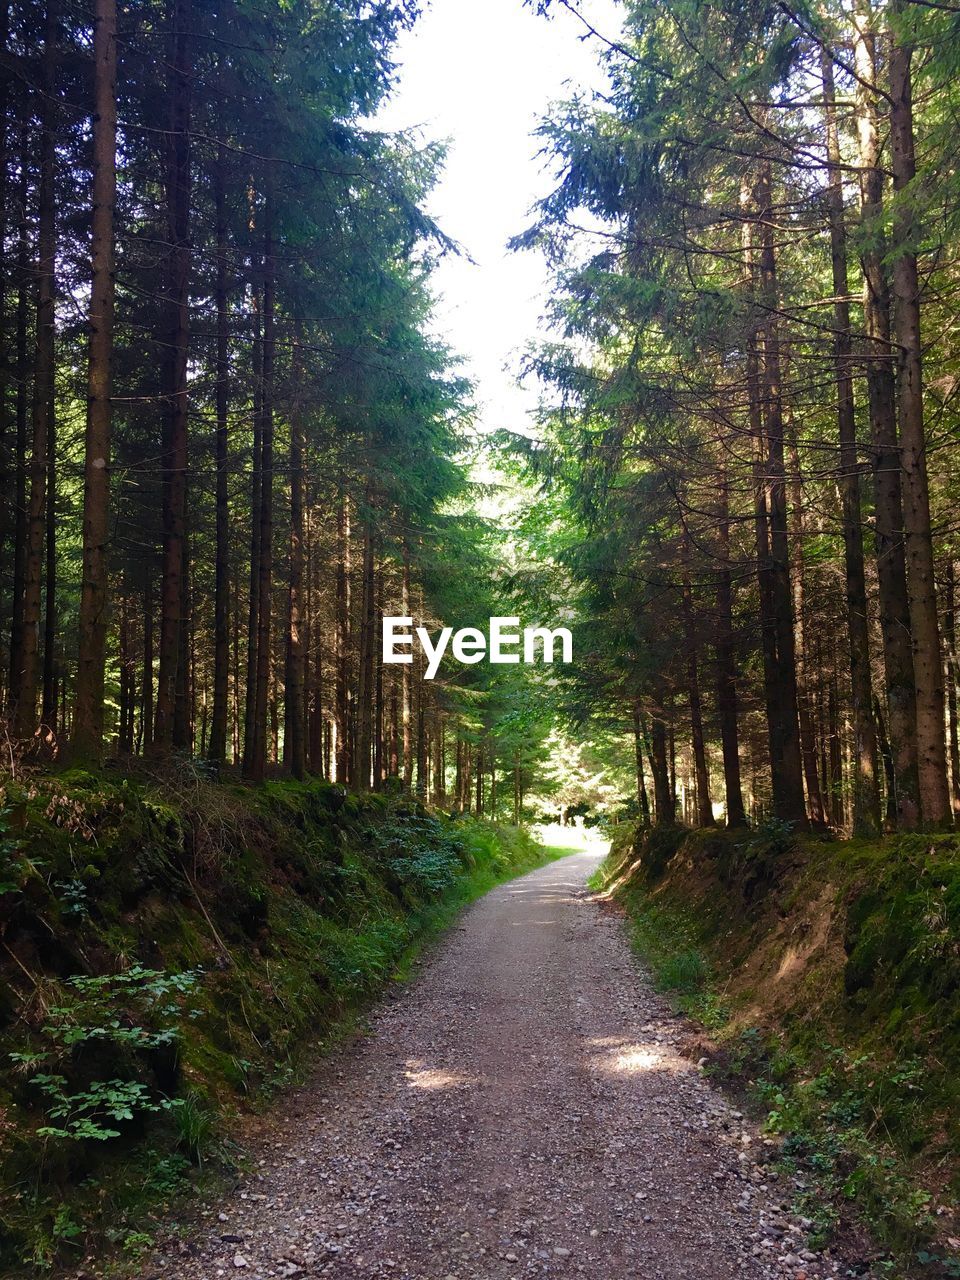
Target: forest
230,444
234,440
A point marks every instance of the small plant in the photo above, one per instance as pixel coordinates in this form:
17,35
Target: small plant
770,839
136,1244
421,851
684,972
73,897
84,1115
65,1229
166,1174
194,1125
133,1011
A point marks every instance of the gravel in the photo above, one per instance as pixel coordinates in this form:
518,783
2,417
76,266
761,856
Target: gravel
522,1109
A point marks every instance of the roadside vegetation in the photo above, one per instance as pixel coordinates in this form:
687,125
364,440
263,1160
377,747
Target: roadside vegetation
826,978
174,949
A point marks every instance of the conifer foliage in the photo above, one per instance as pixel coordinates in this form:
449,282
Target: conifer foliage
754,418
227,438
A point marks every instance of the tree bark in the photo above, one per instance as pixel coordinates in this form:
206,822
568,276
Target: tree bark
808,742
183,708
421,731
294,753
49,698
86,737
643,800
363,740
951,673
704,807
7,458
664,796
881,395
265,565
217,749
921,588
343,639
25,692
256,493
21,415
406,676
175,451
788,788
379,745
727,708
866,788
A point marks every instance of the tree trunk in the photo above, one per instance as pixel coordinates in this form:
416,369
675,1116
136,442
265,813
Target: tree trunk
48,702
727,708
25,692
881,394
921,589
21,413
439,779
788,787
643,800
175,451
664,796
889,768
265,566
86,738
7,480
343,639
183,717
866,788
379,749
785,773
704,807
317,761
835,754
951,672
421,732
363,742
126,686
808,742
256,496
294,751
217,750
406,676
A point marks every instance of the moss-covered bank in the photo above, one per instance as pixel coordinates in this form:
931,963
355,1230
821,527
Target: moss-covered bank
169,948
828,977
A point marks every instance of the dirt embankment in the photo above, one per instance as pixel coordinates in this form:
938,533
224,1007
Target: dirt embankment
829,976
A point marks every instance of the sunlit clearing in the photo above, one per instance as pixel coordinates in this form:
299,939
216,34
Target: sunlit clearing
574,836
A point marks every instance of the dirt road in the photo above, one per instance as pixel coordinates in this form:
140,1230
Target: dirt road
521,1109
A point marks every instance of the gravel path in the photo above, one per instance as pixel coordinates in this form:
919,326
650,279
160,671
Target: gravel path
521,1109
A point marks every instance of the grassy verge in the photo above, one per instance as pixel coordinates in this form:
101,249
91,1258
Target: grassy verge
172,950
827,979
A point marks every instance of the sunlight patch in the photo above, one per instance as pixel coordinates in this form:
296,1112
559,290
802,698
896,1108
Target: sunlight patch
627,1059
420,1077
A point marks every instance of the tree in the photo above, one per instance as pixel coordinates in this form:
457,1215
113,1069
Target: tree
87,735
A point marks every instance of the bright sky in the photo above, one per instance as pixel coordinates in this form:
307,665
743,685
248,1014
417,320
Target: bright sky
480,74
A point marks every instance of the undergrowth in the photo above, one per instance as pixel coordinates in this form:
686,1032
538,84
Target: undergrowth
173,948
851,1062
